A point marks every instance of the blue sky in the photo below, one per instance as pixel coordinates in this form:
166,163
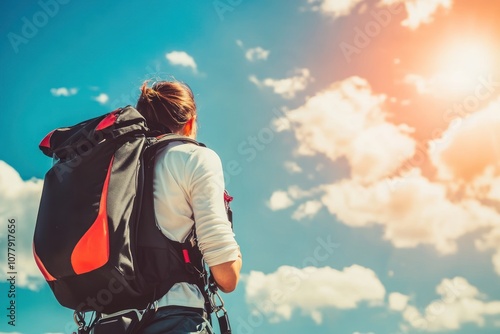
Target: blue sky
358,137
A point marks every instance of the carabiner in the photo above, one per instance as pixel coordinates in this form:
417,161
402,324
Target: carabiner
215,295
79,320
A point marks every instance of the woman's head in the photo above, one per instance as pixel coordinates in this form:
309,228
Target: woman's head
168,107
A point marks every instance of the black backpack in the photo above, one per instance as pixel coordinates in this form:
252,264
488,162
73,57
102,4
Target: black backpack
96,241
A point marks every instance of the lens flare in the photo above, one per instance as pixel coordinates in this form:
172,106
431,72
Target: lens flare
460,66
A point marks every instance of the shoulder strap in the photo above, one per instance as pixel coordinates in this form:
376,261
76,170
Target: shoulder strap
156,143
171,137
198,276
150,237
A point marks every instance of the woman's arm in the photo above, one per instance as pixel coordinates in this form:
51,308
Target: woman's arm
213,229
227,274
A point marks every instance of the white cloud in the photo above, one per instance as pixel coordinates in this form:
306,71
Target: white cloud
487,185
287,87
292,167
496,260
441,84
398,301
282,199
347,120
102,98
63,91
456,80
307,210
281,124
297,193
257,53
254,54
334,8
19,200
412,210
491,240
181,58
459,303
422,85
279,200
420,11
310,290
468,157
469,146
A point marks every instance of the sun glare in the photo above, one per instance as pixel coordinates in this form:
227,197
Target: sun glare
461,65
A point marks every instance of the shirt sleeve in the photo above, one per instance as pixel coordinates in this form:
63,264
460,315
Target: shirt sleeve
206,191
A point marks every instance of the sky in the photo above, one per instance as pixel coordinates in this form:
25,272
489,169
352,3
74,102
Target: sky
359,138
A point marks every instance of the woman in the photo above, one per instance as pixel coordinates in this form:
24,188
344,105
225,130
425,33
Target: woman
188,189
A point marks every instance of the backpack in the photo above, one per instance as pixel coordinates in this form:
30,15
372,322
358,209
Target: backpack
96,240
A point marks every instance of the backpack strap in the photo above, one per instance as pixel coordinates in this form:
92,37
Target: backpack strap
193,269
185,257
165,139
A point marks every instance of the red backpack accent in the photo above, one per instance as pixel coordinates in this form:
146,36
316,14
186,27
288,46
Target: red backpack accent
107,121
92,251
46,141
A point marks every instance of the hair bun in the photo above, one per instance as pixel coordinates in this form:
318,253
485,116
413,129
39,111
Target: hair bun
170,104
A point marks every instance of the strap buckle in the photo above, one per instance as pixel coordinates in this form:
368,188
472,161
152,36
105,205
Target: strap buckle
79,318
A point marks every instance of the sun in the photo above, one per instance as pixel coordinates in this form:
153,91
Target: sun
460,65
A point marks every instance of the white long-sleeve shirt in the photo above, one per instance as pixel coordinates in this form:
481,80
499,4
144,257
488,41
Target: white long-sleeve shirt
189,189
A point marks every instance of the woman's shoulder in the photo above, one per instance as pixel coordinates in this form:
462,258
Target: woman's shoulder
191,148
190,152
